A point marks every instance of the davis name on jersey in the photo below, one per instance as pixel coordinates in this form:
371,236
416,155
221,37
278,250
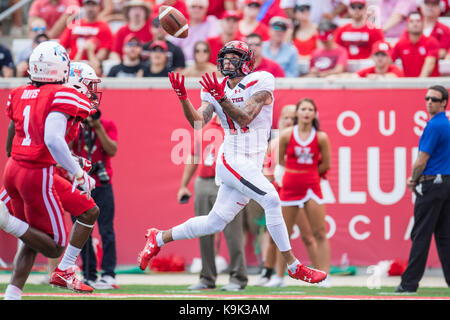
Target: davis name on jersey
29,106
250,142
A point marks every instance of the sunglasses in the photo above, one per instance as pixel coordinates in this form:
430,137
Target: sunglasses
303,8
254,5
433,99
358,6
254,44
201,50
133,44
36,29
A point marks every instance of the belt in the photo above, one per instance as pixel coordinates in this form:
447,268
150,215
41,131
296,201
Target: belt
427,177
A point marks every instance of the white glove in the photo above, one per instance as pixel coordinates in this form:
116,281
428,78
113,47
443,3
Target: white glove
84,181
84,163
278,174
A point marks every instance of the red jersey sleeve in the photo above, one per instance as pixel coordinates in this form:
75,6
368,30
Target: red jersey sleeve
111,129
71,102
8,105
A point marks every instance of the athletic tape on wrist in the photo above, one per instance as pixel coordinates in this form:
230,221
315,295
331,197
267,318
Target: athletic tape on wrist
84,224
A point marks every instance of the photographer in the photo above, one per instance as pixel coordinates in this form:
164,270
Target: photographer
97,142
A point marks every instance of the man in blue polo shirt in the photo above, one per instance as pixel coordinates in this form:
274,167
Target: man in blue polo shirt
430,181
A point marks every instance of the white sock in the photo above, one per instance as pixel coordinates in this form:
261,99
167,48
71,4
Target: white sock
293,267
16,227
159,239
69,258
13,293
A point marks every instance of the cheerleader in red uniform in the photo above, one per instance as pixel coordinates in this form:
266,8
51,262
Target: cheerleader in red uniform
304,156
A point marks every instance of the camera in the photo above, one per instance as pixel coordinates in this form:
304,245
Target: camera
96,115
99,169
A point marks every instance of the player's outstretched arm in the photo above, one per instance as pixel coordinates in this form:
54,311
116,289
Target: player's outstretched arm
197,118
241,116
250,110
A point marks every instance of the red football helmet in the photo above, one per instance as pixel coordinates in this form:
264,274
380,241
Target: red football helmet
243,66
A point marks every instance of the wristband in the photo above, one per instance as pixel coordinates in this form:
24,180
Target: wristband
222,99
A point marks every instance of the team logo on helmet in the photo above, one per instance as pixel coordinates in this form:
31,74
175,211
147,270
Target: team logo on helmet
59,51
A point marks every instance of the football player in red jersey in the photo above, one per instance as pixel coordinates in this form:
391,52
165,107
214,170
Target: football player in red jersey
304,156
42,112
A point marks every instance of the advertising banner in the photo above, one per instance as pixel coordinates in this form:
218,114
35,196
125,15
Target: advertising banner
374,134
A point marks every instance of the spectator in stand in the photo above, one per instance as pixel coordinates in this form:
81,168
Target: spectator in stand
384,68
88,38
332,58
358,36
131,65
137,13
285,54
254,41
320,9
304,36
7,68
175,56
419,54
36,27
218,7
157,64
431,11
202,64
56,13
270,9
249,24
201,27
393,14
229,23
24,57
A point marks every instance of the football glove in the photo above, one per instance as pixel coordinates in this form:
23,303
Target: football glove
178,85
83,181
216,89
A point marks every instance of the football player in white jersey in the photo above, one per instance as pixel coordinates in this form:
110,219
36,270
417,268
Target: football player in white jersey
244,102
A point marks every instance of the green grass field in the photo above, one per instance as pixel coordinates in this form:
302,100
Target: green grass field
150,292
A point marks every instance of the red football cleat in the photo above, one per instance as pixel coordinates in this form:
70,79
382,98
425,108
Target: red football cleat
150,250
306,274
67,279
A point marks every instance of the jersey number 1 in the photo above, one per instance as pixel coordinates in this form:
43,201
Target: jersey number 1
26,123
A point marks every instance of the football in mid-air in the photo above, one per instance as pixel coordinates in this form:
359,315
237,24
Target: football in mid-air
173,21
